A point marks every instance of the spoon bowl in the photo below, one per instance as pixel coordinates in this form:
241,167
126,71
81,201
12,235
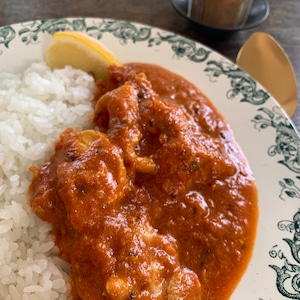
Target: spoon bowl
266,61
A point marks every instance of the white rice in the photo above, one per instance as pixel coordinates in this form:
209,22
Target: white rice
34,108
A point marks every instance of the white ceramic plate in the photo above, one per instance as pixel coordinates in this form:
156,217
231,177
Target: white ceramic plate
264,132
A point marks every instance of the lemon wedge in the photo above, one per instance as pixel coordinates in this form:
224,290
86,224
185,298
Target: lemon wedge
80,51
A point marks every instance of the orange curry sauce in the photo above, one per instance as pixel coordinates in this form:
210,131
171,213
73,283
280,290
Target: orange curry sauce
157,201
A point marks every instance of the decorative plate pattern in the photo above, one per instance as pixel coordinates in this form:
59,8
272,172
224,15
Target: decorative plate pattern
263,130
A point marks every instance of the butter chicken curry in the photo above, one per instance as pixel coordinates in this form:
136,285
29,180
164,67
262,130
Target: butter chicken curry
157,201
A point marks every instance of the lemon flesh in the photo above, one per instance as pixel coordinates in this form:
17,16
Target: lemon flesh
68,48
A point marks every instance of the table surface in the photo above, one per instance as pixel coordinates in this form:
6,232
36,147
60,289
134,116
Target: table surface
283,22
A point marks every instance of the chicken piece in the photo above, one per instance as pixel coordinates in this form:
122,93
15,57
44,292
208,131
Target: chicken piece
92,179
85,175
138,263
184,285
118,113
190,157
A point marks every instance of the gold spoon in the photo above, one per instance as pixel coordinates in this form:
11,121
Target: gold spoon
265,60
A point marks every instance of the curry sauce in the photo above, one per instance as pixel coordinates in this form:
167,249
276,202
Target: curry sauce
157,201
